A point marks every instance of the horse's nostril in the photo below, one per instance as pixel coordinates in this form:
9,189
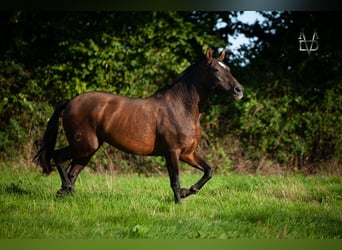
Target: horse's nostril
237,89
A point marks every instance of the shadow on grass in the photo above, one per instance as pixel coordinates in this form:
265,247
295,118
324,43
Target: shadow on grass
15,188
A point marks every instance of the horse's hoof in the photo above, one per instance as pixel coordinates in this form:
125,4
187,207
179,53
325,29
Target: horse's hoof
179,202
64,192
184,192
193,190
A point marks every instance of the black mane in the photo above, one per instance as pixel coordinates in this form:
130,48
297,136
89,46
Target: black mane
187,88
184,81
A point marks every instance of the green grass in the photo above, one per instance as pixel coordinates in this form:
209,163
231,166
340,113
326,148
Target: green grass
229,206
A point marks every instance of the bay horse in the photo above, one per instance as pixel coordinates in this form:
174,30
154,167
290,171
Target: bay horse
165,124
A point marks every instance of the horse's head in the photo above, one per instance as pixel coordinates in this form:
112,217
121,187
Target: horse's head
222,75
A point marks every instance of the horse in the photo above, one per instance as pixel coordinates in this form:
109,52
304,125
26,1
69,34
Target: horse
165,124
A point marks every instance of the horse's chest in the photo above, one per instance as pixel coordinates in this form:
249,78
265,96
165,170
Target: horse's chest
191,139
184,135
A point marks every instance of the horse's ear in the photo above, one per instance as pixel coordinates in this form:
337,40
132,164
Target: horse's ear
222,55
209,54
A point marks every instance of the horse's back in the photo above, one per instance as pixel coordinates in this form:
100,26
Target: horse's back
88,100
84,110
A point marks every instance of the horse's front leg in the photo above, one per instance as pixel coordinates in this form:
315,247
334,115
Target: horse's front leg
173,168
196,161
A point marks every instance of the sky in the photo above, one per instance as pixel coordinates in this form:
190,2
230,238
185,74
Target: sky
248,17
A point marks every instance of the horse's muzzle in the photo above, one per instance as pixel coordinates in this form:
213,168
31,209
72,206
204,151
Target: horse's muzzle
238,93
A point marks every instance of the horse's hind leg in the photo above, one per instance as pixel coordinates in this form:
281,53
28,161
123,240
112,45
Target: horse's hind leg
59,157
196,161
75,168
89,148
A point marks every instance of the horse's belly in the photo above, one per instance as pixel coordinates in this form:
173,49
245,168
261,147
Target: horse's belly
129,125
132,146
134,141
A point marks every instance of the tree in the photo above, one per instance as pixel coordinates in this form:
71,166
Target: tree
295,98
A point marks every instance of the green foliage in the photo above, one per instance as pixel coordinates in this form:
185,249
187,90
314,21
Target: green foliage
294,129
20,110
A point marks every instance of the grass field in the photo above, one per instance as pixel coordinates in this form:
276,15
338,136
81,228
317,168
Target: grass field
115,207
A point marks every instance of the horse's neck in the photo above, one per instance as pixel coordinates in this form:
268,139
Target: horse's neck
192,90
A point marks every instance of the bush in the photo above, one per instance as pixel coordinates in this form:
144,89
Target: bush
292,129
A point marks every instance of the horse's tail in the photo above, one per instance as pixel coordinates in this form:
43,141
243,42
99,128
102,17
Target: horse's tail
44,155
